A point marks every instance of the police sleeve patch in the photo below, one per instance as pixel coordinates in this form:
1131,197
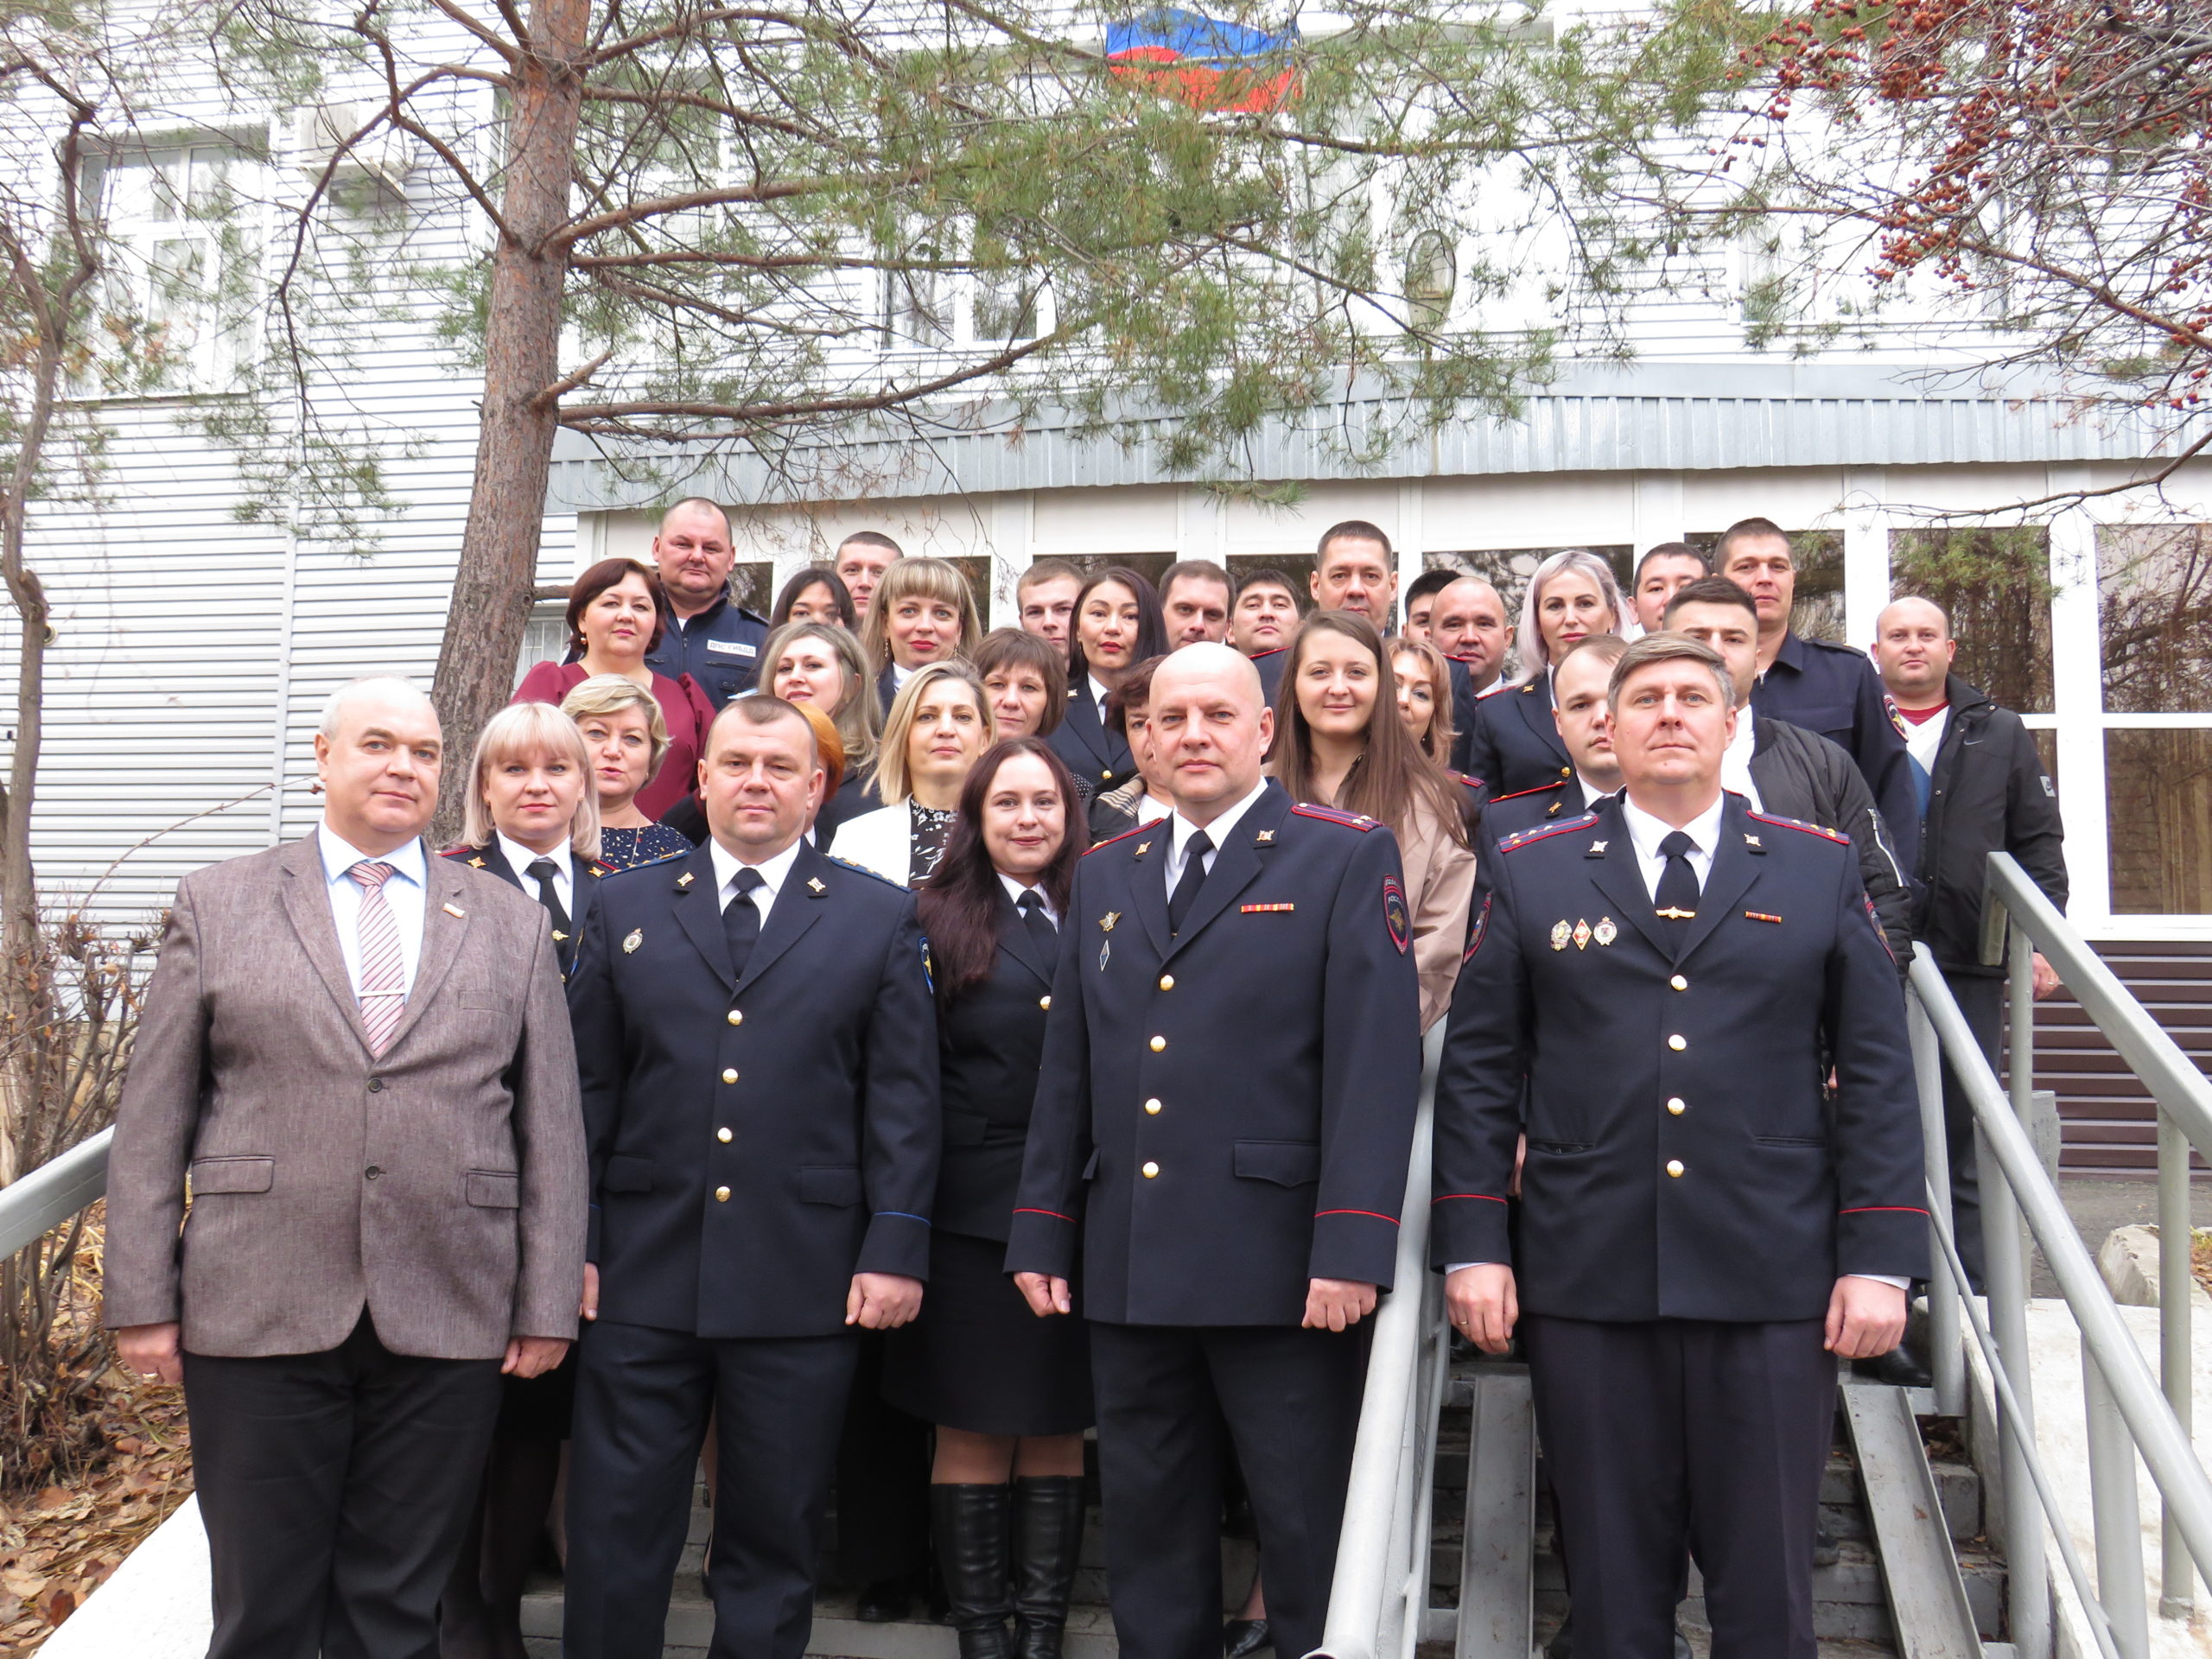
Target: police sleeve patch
1475,933
1396,916
929,970
1874,916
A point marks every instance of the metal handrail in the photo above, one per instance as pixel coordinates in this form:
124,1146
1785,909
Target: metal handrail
35,1204
1380,1589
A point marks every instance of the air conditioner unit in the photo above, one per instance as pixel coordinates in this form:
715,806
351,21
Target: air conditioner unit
383,158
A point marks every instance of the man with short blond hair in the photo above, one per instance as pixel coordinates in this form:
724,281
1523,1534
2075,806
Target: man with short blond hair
860,560
1044,599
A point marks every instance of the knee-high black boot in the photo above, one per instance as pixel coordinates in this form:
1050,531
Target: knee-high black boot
1047,1543
970,1525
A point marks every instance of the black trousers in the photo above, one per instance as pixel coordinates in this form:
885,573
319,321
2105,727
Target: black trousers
883,1479
335,1487
1288,1401
1685,1433
1982,999
643,1397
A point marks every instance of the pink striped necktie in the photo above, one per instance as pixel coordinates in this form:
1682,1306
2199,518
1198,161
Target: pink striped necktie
384,969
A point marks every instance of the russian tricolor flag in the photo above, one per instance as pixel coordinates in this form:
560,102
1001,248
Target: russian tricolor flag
1203,62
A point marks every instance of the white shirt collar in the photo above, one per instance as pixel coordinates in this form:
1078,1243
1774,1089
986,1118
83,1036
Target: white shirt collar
1014,890
520,858
408,860
900,675
1590,793
1180,829
1647,832
774,873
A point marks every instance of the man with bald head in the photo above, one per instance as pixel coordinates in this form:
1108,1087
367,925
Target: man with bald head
357,1056
709,636
1222,1122
1982,788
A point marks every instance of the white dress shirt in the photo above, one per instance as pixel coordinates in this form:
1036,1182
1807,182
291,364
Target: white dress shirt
1151,809
404,894
1014,890
1646,832
1098,695
1180,829
1736,761
900,675
520,858
774,873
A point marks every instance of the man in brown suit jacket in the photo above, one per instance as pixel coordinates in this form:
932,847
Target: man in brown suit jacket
359,1058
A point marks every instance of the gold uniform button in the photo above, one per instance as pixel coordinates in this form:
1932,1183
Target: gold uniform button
1151,1170
1159,1043
1566,771
722,1195
1677,1042
736,1017
729,1072
1168,981
722,1135
1152,1109
1676,1106
1679,982
1106,777
1044,1001
1675,1167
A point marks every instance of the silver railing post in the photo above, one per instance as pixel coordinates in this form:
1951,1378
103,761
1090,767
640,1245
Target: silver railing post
2006,1276
2116,1513
1946,1350
2177,1572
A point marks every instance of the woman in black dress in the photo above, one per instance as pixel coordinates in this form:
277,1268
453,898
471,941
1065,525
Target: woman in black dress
1009,1393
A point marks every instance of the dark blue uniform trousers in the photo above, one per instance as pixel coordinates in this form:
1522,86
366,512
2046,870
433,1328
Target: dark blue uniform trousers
1666,1434
1289,1401
643,1396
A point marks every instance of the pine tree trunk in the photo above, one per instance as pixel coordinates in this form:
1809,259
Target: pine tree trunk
520,416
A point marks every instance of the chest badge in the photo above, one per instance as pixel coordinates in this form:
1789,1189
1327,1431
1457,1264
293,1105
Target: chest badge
455,910
632,939
1105,954
1604,932
1106,922
1582,936
1560,934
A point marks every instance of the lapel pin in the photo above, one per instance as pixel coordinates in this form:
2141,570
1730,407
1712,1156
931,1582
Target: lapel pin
1560,934
1264,837
1106,922
1143,847
684,880
1751,841
1105,954
1597,846
1582,936
559,937
452,909
814,885
475,863
1604,932
632,939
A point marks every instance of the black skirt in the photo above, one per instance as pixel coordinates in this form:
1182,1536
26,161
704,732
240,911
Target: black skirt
978,1359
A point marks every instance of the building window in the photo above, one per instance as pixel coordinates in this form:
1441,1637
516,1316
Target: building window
2158,821
2154,601
182,289
544,637
1995,587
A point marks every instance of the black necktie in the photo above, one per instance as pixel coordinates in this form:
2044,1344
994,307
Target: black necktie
741,919
1194,877
1031,906
1677,898
542,871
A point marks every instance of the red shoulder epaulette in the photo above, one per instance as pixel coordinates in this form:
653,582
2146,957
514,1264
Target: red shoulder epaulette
1098,845
1809,828
462,851
1521,794
1545,832
1329,815
1464,780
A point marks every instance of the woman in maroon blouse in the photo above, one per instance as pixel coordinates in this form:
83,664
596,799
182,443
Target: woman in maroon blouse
616,612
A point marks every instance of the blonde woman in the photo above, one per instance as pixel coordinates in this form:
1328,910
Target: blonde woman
922,613
627,742
818,664
940,723
1513,742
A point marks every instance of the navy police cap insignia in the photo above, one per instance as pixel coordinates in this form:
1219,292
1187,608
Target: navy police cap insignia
1394,915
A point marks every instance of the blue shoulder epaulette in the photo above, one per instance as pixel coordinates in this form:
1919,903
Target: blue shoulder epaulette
863,870
653,863
1793,823
1545,832
1358,821
1096,845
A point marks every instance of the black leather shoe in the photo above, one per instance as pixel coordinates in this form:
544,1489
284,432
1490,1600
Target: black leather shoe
1241,1638
1047,1544
1900,1368
970,1525
885,1601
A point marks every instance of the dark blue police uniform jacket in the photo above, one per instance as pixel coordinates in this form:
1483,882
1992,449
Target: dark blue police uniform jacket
720,648
1227,1113
1833,690
585,876
1464,696
1512,742
754,1142
1096,756
991,1043
1682,1161
1269,666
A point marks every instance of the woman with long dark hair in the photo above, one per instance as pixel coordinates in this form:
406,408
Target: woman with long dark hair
1116,624
1009,1393
1341,742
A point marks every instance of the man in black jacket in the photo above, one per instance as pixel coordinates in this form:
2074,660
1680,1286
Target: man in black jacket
1788,771
1982,789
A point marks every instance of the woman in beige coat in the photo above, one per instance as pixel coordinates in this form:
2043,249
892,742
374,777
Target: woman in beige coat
1340,742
